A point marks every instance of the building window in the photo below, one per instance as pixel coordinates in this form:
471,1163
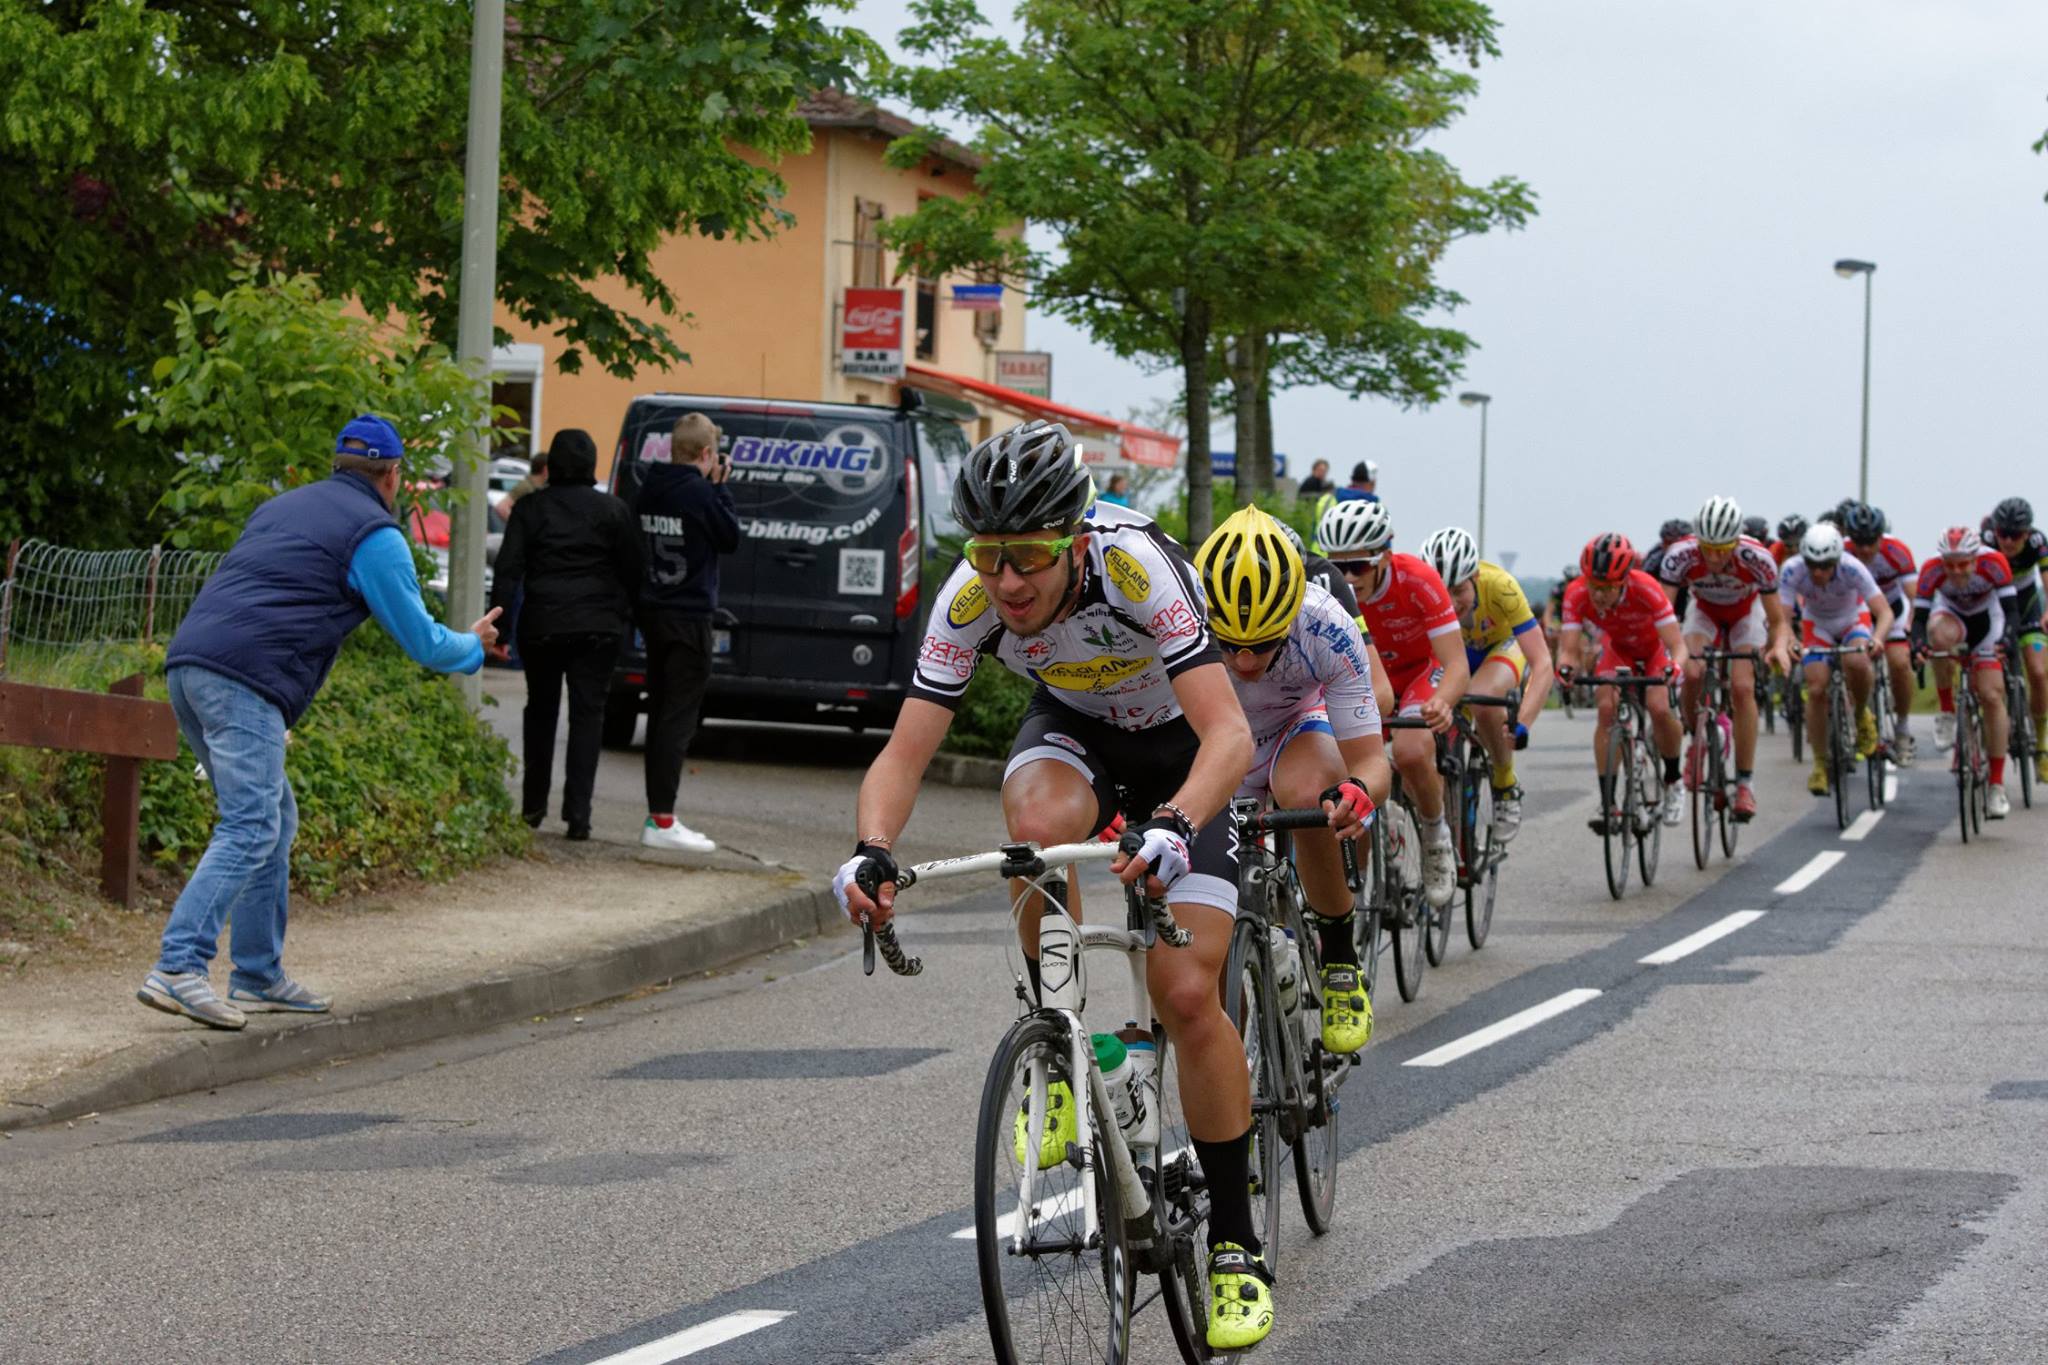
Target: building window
927,318
867,243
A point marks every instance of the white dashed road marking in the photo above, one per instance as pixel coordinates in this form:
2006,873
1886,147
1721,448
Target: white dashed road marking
699,1338
1506,1028
1692,943
1811,873
1859,828
1891,786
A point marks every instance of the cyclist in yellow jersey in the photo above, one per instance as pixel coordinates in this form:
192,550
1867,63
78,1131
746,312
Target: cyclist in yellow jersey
1505,648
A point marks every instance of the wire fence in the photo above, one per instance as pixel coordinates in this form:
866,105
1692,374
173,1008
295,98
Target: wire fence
57,601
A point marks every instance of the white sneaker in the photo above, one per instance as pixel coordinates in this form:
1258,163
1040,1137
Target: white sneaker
1507,814
1439,871
1902,749
678,837
1945,731
2001,804
1674,804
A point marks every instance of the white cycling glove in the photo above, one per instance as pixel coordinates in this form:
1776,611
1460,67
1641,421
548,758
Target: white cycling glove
1164,851
866,855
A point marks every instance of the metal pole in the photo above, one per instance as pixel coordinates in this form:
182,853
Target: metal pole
1484,408
474,328
1863,468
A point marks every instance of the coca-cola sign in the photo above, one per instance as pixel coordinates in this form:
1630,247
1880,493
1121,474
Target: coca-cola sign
871,334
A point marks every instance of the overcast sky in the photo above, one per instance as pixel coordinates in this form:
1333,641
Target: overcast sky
1669,328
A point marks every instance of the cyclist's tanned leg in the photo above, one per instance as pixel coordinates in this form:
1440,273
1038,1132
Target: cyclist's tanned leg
1495,678
1185,984
1742,681
1308,766
1046,803
1415,756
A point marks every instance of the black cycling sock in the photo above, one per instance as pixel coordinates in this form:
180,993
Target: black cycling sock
1743,775
1670,770
1228,1168
1339,947
1606,792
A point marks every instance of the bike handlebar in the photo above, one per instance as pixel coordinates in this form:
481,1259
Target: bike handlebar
1623,679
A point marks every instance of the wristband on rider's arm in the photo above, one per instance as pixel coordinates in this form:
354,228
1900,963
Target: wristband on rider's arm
1173,816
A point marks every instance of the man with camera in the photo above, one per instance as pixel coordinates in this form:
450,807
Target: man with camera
688,519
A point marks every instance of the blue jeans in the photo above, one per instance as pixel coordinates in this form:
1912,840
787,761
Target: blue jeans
245,876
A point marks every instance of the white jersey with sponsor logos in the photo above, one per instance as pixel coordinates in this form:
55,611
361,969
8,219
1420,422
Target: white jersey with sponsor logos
1322,664
1140,621
1833,608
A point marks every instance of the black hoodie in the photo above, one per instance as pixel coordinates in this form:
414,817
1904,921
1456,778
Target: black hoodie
688,522
576,549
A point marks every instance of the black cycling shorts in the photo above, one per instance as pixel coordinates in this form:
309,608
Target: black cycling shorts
2029,610
1132,772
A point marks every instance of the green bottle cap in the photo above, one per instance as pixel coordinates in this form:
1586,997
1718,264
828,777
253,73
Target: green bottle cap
1109,1051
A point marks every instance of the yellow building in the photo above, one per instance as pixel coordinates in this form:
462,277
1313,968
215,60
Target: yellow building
764,316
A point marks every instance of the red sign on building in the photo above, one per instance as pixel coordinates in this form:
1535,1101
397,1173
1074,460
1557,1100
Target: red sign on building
871,334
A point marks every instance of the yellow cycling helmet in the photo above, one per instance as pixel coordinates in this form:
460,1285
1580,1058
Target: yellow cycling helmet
1253,577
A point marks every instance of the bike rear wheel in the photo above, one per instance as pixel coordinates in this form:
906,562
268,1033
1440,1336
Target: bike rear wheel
1841,747
2023,746
1724,801
1966,768
1315,1142
1614,843
1479,896
1250,1006
1067,1297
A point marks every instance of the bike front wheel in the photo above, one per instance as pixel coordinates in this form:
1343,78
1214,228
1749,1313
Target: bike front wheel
1614,844
1649,790
1701,768
1066,1294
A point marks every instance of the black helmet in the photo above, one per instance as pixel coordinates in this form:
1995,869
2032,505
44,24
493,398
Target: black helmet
1756,528
1863,523
1791,529
2013,517
1674,530
1029,478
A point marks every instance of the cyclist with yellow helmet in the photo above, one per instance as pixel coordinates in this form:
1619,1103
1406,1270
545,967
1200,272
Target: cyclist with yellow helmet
1299,666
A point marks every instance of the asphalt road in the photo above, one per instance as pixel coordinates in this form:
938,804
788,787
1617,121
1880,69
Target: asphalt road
1817,1137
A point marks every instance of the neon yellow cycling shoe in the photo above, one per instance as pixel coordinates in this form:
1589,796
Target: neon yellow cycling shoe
1240,1298
1347,1009
1866,734
1817,781
1060,1128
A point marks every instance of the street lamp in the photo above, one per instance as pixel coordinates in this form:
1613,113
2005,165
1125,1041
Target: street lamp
1849,270
1482,401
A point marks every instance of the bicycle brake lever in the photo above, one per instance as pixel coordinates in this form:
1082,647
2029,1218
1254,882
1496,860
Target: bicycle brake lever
867,947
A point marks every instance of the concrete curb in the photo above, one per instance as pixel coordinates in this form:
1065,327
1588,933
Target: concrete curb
960,770
204,1059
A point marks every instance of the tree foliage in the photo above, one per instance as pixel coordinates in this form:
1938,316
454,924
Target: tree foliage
264,375
144,149
1218,168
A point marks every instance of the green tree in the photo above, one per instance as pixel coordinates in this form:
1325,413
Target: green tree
144,149
263,376
1213,168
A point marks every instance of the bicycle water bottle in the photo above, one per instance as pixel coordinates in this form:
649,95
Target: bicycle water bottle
1119,1078
1144,1054
1286,969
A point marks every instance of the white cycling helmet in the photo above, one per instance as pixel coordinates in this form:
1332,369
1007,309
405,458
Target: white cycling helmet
1452,553
1822,544
1719,522
1355,528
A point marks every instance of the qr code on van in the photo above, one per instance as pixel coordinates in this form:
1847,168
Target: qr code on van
860,573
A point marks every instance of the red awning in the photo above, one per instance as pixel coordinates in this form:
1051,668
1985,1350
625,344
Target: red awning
1139,445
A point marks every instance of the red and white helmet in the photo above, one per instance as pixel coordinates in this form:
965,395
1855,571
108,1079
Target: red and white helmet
1959,542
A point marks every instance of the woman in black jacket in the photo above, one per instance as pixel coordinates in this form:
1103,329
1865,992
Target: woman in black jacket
579,554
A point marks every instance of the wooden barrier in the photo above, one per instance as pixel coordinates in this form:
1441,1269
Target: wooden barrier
122,726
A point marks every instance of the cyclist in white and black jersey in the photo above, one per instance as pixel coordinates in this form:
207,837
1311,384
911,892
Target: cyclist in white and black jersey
1299,666
1134,709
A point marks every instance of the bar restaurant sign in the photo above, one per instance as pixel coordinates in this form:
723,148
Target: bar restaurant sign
1025,371
871,334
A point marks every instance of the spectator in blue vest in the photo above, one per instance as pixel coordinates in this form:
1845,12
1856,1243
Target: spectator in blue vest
311,566
1365,477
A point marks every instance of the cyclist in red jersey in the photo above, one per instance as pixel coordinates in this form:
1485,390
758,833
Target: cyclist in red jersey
1640,631
1734,585
1890,561
1414,623
1970,596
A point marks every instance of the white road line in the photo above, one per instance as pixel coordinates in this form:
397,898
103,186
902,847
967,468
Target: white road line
1891,786
1506,1028
699,1338
1859,828
1692,943
1811,873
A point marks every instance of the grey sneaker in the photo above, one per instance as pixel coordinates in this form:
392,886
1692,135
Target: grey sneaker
189,994
283,995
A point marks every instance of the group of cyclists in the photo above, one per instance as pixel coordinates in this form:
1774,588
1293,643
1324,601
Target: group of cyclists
1849,588
1170,683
